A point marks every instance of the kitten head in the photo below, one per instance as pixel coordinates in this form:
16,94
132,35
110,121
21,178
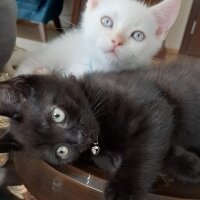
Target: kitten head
57,124
127,30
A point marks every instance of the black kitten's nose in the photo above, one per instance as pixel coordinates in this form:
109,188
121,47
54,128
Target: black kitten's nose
81,136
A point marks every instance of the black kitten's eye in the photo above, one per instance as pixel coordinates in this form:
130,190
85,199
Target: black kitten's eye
62,152
58,115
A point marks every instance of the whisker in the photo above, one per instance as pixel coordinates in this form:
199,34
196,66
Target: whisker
69,22
99,104
101,109
100,112
89,95
96,98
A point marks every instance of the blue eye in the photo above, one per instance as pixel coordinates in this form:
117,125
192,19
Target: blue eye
138,36
107,22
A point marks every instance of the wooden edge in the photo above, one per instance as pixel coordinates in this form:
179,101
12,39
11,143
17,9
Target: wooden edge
47,183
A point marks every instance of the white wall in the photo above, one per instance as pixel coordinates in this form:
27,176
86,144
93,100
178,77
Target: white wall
175,35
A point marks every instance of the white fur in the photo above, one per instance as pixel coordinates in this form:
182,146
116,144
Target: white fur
80,50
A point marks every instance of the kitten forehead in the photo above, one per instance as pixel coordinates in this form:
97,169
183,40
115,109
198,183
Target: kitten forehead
126,8
140,14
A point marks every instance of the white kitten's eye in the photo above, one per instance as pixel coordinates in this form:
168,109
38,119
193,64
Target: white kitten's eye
58,115
107,22
138,36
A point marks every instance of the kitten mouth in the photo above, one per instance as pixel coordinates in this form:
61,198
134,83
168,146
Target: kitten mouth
84,146
112,55
111,51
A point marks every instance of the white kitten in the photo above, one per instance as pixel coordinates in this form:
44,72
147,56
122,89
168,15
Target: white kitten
114,34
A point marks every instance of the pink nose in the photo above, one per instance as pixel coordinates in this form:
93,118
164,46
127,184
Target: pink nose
117,41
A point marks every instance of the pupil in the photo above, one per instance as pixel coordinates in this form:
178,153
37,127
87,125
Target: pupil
56,115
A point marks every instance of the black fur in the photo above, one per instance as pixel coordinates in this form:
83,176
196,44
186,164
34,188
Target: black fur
150,118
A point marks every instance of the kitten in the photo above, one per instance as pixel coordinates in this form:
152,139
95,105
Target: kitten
113,34
149,118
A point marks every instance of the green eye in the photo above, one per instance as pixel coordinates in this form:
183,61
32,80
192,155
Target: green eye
58,115
107,22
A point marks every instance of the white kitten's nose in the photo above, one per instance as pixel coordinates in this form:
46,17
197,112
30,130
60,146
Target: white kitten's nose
117,41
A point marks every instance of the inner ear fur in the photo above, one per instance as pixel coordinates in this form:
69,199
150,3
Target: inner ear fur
165,14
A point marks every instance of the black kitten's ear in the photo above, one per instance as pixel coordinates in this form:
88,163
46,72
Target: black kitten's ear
12,93
8,143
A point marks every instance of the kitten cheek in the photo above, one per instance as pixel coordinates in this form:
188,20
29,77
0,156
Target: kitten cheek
137,48
104,44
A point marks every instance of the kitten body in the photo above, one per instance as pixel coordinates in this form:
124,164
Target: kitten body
113,34
148,118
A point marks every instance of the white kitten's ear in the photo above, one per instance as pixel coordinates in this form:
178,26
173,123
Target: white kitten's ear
165,14
92,4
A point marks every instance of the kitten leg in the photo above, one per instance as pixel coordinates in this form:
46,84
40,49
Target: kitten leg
183,165
135,177
142,160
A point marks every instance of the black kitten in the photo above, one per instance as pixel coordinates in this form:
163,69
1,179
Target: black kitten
149,118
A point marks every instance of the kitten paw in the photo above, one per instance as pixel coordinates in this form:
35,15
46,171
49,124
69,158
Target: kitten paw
184,165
